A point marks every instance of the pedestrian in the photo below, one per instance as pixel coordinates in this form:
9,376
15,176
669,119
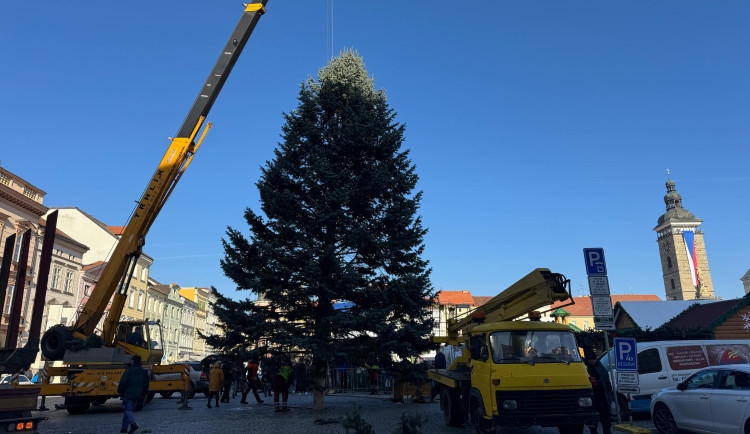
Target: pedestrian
281,383
251,377
374,372
439,364
132,388
215,381
602,392
228,379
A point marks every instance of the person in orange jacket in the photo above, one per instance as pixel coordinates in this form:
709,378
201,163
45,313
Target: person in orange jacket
215,382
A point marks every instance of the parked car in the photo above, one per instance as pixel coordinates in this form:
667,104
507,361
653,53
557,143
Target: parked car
713,400
198,381
667,363
22,379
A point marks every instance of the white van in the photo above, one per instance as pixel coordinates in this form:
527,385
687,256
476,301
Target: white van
666,363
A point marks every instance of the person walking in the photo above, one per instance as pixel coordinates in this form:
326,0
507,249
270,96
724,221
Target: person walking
228,380
215,381
281,386
132,388
602,393
440,363
251,374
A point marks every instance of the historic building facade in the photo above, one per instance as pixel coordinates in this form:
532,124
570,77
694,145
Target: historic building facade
684,261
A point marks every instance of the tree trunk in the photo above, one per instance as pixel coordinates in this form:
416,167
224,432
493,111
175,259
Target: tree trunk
318,377
318,398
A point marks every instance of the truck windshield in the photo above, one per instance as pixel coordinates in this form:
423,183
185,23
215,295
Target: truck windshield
534,346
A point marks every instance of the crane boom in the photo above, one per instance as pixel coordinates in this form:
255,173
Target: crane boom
537,289
174,163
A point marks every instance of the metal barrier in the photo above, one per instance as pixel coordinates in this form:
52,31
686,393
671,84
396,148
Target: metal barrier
358,380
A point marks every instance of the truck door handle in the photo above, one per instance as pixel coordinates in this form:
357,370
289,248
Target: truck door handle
704,397
663,377
742,400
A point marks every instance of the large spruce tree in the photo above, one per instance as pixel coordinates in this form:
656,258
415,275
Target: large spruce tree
339,225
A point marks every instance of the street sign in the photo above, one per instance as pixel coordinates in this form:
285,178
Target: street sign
598,285
604,322
629,389
627,378
626,355
601,305
595,265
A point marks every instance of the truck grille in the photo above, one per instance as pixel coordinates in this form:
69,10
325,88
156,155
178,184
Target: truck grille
544,401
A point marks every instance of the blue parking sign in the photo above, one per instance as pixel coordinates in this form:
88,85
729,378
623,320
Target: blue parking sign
626,355
595,265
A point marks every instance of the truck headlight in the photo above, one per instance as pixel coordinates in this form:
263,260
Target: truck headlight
584,402
510,404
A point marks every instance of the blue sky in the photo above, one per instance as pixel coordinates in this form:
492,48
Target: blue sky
538,128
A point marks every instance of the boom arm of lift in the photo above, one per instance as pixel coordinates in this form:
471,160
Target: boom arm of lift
537,289
117,272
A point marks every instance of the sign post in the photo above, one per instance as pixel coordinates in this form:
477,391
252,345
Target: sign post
601,304
626,362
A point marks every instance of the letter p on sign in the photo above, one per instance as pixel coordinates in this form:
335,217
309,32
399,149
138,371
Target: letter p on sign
595,265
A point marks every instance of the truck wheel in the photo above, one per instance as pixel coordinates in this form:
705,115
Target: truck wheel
452,411
481,425
76,405
570,429
53,342
165,394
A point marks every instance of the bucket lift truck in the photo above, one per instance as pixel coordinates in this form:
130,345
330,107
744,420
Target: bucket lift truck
516,373
91,375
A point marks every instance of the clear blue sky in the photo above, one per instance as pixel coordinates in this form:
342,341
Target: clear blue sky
538,128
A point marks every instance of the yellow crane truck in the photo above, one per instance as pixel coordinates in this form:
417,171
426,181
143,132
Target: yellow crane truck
91,375
516,373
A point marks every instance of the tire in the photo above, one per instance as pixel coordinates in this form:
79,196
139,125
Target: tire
664,421
452,412
76,405
747,426
481,425
165,394
570,429
53,342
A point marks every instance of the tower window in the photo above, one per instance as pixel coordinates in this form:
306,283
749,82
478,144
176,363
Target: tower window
669,263
672,280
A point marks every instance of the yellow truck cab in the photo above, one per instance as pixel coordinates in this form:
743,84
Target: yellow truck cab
516,373
527,373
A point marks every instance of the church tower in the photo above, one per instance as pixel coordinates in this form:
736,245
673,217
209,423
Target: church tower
683,255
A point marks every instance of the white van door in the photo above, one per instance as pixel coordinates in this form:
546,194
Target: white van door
652,372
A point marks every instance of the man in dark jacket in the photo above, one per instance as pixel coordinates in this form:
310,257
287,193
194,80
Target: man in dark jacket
439,364
132,388
602,392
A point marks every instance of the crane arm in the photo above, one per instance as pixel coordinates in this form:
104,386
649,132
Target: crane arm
537,289
168,172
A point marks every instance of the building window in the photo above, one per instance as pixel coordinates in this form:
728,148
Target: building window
132,298
17,253
669,262
140,300
4,179
585,325
87,290
9,301
68,281
672,280
56,278
143,274
31,194
573,322
150,304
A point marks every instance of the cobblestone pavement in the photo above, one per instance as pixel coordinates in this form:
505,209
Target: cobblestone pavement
162,416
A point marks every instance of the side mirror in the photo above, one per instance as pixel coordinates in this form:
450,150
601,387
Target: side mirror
681,386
